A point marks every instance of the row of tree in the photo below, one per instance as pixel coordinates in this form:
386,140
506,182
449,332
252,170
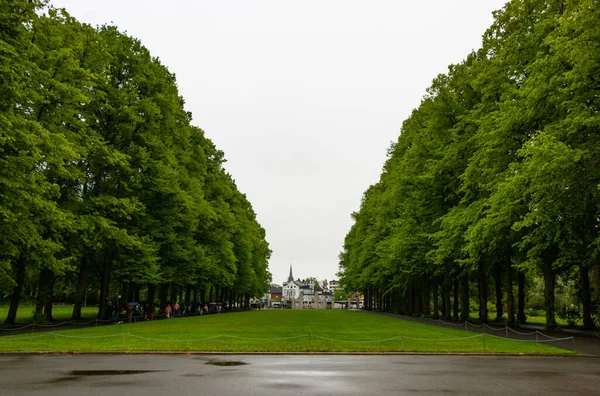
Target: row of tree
494,177
104,183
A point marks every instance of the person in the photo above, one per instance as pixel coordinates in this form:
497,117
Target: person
182,308
168,310
117,312
152,311
109,310
176,309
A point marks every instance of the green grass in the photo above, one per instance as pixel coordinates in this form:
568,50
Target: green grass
541,320
59,312
267,331
538,320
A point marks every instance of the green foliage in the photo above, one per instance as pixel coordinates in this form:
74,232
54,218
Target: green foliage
497,167
102,175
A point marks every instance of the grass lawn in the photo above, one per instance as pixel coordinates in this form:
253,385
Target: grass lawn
272,331
59,312
539,320
542,320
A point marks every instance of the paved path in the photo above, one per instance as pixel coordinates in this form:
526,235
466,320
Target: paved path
292,375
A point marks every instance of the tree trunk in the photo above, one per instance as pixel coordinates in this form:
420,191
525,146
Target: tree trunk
164,293
105,283
447,294
510,297
482,282
498,285
44,282
435,301
465,307
15,297
443,299
596,278
130,294
202,299
426,298
549,282
403,305
49,296
151,294
521,318
188,295
136,292
80,289
585,297
418,301
456,293
173,293
218,294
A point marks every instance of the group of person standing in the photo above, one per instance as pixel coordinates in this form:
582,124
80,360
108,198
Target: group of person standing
133,311
179,309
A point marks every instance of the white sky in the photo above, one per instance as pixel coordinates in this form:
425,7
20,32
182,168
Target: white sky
304,97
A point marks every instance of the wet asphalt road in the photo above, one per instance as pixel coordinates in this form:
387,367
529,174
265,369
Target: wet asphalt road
293,375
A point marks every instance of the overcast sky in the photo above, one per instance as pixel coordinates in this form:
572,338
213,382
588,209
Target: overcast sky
304,97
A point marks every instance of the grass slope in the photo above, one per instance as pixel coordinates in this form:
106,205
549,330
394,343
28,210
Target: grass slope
272,331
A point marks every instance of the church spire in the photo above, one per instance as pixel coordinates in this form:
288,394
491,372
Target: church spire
291,277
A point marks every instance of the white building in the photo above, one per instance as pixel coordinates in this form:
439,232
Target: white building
307,292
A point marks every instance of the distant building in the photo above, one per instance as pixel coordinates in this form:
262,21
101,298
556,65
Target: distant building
334,285
273,297
296,293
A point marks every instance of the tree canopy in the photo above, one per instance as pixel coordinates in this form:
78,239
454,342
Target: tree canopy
104,182
494,176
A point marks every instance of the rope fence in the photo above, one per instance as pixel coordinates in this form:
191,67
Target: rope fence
93,322
485,326
225,340
127,340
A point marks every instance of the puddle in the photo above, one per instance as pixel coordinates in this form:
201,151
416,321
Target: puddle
81,373
226,364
